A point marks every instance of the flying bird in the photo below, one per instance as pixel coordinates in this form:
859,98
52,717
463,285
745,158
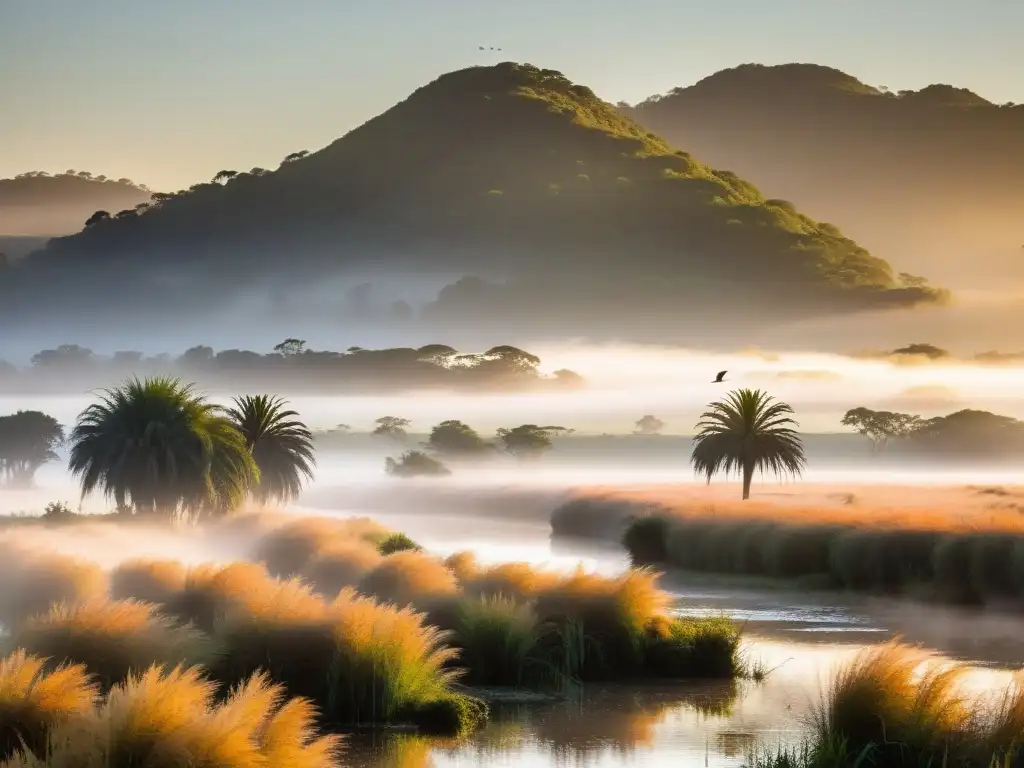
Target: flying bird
720,377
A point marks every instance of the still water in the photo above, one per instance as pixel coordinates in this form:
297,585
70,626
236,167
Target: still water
801,637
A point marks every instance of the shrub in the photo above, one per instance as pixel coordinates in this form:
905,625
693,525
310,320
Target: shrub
151,581
692,648
358,660
396,542
170,719
112,638
408,577
340,565
32,700
33,582
415,464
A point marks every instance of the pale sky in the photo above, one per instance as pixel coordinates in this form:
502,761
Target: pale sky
168,92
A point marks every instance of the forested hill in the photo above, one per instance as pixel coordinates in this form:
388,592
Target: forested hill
556,201
933,178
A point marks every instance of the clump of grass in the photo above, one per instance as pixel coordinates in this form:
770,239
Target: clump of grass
170,719
34,582
212,591
694,648
151,581
409,577
340,565
464,566
397,542
287,549
112,638
499,642
358,660
519,580
34,700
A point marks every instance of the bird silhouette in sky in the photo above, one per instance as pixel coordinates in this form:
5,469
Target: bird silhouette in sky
720,377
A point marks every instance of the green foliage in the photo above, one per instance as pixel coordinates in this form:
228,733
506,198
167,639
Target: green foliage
746,432
391,426
396,542
281,446
157,446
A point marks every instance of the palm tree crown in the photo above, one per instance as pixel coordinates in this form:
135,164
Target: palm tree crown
748,430
156,446
281,445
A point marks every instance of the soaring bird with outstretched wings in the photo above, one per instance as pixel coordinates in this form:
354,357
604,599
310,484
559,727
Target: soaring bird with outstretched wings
720,377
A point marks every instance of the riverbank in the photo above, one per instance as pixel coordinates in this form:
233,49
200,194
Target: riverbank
955,546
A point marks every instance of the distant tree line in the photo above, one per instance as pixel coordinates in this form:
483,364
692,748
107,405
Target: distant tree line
456,441
966,433
292,366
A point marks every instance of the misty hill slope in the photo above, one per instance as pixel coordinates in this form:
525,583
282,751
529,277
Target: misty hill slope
510,172
932,179
40,205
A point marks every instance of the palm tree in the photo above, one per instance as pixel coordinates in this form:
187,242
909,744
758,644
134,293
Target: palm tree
156,447
281,445
748,430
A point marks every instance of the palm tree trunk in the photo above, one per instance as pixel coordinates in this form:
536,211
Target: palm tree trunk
748,475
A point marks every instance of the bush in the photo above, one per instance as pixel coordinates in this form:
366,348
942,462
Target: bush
463,565
172,719
112,638
518,580
498,642
358,660
151,581
409,577
32,700
415,464
692,648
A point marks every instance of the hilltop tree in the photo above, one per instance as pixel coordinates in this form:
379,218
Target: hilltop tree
97,217
223,177
291,347
457,440
415,464
391,426
648,425
156,448
747,431
281,446
880,426
529,441
28,439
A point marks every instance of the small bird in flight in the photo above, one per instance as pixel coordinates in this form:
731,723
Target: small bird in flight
720,377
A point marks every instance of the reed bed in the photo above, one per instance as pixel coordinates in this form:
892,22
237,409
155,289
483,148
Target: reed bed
151,581
409,577
173,719
895,706
112,639
340,565
961,567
